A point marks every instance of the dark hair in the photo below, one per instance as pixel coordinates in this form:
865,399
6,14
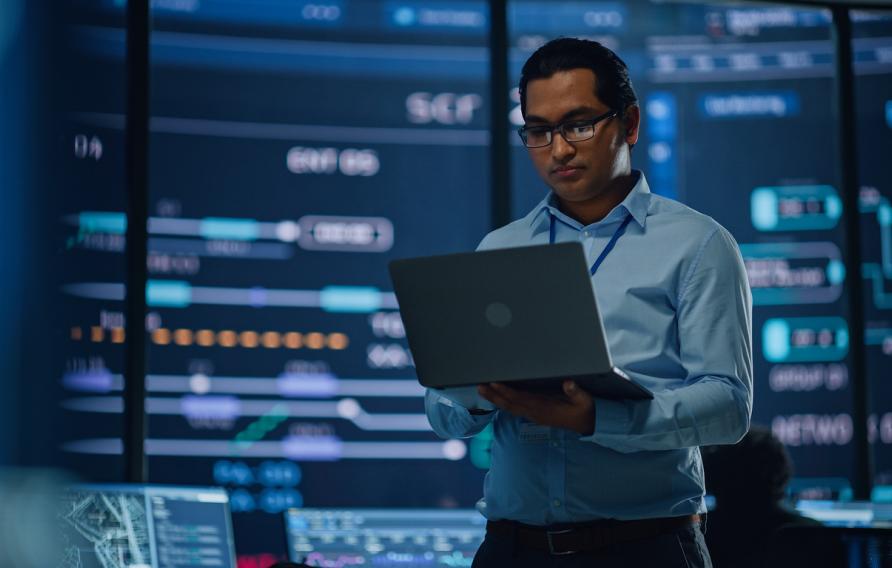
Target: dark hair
756,468
614,88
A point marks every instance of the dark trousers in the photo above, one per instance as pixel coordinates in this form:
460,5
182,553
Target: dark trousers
682,548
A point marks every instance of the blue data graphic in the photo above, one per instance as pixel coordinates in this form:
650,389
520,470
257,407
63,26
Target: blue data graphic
795,208
297,147
794,273
798,340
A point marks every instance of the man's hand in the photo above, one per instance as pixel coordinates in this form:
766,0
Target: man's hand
573,411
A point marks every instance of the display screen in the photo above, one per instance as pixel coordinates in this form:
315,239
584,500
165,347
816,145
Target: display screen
131,526
297,147
410,538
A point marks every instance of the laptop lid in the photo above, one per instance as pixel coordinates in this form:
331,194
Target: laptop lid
501,315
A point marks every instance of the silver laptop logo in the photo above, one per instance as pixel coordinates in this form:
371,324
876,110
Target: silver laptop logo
498,314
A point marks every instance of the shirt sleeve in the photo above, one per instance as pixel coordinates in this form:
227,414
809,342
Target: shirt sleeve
714,403
449,420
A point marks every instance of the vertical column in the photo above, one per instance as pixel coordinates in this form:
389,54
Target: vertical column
845,123
136,172
499,125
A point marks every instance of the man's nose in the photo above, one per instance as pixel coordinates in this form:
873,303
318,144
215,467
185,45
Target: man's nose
560,148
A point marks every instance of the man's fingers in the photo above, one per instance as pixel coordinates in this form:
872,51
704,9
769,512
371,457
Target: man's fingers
493,396
506,398
575,393
571,389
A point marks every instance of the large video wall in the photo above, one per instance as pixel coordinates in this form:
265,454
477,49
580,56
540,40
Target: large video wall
297,147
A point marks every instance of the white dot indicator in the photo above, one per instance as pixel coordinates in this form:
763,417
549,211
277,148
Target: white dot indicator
200,383
658,110
287,231
454,450
348,408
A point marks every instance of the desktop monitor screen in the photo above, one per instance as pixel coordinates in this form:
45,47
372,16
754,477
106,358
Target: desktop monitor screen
139,526
408,538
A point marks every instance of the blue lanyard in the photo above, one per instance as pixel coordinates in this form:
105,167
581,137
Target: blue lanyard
619,232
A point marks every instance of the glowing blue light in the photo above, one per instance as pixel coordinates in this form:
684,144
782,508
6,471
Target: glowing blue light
404,16
836,272
763,209
350,299
881,494
842,338
776,340
884,215
103,222
168,293
833,207
229,229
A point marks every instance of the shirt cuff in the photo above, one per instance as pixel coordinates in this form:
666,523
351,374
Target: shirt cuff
611,417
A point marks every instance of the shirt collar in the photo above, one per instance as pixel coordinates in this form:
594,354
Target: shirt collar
636,204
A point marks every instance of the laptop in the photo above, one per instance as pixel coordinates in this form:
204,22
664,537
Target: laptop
525,316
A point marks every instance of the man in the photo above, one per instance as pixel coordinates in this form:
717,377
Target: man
577,481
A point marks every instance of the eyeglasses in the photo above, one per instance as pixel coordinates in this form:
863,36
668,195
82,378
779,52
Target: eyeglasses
575,130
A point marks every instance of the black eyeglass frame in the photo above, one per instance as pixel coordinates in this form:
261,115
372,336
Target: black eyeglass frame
522,131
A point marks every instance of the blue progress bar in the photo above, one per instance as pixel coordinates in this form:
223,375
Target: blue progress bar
229,229
102,222
168,293
350,299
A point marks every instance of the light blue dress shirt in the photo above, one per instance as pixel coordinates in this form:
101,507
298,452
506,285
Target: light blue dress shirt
677,308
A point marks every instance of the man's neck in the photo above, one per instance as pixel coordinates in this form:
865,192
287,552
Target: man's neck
595,209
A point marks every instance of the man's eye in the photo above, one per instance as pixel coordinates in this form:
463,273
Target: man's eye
537,131
579,127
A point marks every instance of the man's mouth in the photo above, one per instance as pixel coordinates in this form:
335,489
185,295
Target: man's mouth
566,171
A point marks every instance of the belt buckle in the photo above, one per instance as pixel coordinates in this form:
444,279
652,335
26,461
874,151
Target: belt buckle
551,550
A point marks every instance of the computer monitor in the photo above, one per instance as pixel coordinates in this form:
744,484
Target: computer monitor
145,526
847,513
859,531
408,538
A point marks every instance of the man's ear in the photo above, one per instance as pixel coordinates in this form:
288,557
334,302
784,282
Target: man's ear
631,122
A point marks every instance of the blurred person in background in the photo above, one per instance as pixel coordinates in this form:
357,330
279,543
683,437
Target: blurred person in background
750,525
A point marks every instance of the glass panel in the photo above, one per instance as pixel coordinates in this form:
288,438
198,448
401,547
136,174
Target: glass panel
296,148
737,123
14,117
76,331
873,104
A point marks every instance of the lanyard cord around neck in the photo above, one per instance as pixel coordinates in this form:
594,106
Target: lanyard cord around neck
612,243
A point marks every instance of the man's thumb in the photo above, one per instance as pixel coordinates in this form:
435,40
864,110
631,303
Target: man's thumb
571,389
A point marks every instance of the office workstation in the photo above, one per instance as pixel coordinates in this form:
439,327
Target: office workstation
261,171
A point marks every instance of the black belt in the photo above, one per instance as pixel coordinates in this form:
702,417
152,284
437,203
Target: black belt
586,537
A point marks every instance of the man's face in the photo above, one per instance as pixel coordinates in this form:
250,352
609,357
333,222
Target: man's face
579,171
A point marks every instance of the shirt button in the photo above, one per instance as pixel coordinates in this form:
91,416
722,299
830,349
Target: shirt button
556,502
